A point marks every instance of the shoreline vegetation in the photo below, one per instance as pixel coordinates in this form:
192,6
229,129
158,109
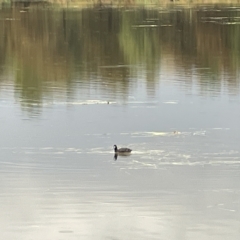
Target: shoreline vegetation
115,3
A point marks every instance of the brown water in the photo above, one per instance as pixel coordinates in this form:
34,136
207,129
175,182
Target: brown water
163,82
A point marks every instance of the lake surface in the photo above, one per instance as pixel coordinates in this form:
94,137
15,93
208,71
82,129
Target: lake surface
163,81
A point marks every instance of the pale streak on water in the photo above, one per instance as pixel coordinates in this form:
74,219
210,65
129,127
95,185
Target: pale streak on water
59,179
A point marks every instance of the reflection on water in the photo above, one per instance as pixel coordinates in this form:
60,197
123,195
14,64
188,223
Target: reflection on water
113,49
162,82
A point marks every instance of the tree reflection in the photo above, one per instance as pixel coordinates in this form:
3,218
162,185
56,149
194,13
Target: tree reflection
48,50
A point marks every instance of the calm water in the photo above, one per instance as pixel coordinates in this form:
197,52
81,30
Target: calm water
163,82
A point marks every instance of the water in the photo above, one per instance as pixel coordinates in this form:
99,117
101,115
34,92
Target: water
163,82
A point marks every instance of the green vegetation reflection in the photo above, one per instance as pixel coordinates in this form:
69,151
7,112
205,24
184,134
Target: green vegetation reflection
49,50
